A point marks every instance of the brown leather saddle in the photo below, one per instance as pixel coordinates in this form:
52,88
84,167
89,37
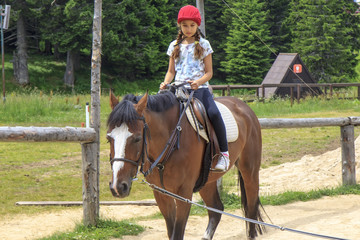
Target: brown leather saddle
200,119
212,149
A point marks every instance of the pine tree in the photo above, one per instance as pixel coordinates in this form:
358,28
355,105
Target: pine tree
135,36
279,31
216,32
322,38
247,57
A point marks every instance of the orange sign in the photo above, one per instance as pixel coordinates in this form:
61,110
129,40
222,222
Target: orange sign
297,68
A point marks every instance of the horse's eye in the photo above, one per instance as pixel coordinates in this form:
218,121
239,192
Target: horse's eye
137,139
108,137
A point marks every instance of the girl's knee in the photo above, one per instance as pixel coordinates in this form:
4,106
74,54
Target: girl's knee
214,114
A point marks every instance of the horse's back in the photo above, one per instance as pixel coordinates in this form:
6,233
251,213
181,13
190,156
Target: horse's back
240,110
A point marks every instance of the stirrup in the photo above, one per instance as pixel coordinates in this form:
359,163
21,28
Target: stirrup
226,165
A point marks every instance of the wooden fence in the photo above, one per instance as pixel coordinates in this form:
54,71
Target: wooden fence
327,88
90,171
347,137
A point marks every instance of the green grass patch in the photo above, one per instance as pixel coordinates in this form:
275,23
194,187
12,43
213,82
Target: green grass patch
291,196
232,201
105,229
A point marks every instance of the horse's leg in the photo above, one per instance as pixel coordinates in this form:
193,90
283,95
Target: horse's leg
168,210
182,215
249,166
209,193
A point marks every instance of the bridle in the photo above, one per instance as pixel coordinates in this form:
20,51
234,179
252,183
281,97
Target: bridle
170,147
141,159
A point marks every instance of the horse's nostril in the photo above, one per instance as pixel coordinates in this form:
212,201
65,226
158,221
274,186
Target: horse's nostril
123,186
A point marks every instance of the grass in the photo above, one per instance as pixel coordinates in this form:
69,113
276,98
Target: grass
105,229
52,171
49,170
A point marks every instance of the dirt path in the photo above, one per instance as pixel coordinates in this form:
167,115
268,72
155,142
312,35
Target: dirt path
335,216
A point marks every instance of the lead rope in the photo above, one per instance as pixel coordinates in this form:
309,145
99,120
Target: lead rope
175,196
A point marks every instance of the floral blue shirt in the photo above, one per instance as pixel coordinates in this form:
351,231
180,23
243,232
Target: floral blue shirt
187,67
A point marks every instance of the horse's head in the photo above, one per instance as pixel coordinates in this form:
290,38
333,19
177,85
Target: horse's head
126,137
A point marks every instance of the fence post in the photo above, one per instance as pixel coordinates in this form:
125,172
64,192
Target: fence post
331,90
358,93
348,155
91,155
90,179
298,93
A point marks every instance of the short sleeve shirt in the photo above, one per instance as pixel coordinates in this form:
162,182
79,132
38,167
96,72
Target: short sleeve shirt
187,67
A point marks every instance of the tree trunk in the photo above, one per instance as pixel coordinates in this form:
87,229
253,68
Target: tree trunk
20,65
48,47
69,77
200,6
56,52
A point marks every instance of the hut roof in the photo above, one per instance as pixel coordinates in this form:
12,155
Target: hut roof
281,68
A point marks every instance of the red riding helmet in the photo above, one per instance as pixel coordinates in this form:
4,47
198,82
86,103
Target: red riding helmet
189,12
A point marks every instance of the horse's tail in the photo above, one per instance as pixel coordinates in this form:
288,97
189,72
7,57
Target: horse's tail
244,204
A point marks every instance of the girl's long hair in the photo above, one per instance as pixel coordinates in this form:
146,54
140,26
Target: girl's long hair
198,49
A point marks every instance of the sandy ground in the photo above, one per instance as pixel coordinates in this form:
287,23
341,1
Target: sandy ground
335,216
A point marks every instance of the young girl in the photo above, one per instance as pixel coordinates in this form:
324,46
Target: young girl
191,61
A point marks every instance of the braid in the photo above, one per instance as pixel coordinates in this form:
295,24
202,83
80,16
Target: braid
199,50
176,52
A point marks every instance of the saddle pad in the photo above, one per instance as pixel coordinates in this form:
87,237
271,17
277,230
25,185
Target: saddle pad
232,131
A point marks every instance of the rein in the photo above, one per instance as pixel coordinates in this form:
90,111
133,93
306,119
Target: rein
170,146
166,152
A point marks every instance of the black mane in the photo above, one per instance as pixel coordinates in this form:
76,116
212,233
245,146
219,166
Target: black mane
125,112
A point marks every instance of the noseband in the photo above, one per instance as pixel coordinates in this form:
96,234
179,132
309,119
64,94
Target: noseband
141,159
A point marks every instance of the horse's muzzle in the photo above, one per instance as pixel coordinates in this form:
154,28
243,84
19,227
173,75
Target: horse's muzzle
121,190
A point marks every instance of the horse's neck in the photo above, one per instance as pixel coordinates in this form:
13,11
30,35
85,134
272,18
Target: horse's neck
161,126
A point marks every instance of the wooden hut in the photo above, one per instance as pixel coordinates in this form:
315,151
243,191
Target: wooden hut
289,68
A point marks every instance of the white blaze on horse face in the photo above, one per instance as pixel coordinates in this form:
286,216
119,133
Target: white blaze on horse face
120,136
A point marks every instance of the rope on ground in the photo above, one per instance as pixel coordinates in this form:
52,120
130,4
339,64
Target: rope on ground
175,196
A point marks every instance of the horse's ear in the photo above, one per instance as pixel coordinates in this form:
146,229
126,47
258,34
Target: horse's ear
113,100
141,105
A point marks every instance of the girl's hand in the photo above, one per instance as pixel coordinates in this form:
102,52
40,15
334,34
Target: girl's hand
162,85
194,85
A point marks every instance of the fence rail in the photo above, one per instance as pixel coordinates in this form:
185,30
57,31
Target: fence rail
46,134
261,88
267,123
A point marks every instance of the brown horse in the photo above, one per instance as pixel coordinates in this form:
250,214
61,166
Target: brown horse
138,131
